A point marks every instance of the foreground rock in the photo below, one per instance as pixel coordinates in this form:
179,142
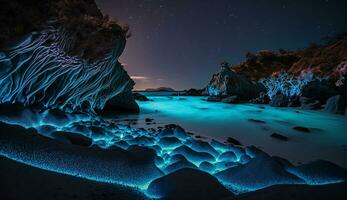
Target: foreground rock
188,184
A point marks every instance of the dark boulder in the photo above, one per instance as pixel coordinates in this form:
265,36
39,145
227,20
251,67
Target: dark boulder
294,101
139,97
309,104
214,98
234,141
302,129
231,99
279,100
253,152
262,99
257,121
319,90
336,105
188,184
195,92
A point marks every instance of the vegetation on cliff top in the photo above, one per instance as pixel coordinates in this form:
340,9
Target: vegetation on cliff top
322,59
94,33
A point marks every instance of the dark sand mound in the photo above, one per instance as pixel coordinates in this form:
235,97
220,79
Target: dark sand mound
19,182
298,192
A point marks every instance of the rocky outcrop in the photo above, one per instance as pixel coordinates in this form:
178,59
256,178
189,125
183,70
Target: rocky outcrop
195,92
65,57
262,99
279,100
306,78
319,90
228,83
336,105
139,97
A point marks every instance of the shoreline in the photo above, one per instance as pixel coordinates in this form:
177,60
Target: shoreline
126,165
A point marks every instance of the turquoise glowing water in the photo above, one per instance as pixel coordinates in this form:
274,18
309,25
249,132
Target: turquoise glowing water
327,140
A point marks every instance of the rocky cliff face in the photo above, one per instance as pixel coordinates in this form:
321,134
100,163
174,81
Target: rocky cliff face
62,54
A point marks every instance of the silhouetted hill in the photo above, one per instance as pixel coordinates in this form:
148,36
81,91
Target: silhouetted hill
159,89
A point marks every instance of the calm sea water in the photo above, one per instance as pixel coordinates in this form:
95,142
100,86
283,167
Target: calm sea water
327,139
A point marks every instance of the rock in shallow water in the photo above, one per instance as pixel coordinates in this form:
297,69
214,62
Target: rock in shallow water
231,99
257,121
234,141
279,137
279,100
302,129
139,97
336,105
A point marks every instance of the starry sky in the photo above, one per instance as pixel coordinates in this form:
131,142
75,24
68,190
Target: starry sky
180,43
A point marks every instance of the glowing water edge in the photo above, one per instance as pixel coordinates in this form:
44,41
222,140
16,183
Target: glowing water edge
327,139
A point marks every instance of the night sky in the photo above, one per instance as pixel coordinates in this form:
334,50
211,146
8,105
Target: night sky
180,43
